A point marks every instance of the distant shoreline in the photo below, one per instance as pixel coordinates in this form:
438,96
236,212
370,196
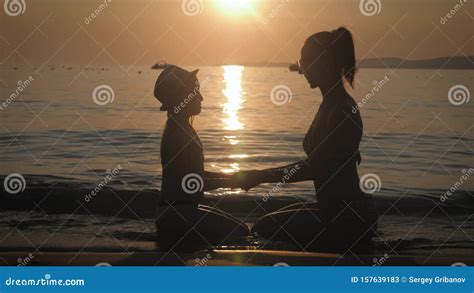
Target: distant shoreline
455,62
442,63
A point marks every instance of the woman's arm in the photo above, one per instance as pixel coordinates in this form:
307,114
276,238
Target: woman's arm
296,172
299,171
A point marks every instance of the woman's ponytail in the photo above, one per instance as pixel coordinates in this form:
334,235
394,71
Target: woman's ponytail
345,54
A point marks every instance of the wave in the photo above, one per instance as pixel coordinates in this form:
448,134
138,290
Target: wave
58,195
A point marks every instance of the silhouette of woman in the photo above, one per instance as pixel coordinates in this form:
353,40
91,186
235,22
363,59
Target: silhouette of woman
343,216
183,224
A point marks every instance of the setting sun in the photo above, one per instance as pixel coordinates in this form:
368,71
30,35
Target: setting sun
235,7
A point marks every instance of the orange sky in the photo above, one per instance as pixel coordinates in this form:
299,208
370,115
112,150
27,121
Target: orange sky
144,31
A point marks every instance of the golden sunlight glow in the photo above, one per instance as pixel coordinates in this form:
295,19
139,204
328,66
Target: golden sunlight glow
234,167
235,7
238,156
232,139
233,92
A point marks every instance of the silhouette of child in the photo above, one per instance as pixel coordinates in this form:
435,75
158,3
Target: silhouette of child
183,223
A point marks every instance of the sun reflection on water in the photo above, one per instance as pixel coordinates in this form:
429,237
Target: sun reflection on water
230,110
233,92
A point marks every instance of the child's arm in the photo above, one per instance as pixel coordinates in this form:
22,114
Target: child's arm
216,175
214,180
215,183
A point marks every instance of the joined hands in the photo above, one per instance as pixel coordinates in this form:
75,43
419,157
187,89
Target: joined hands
247,179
